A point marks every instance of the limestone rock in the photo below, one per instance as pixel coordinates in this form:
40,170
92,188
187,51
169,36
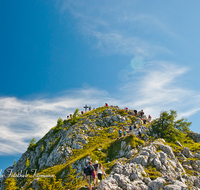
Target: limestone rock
172,187
157,183
186,152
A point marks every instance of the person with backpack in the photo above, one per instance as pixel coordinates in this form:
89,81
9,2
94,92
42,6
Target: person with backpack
120,132
88,174
130,129
95,168
100,172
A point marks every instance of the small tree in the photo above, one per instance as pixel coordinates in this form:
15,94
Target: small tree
167,127
14,163
32,144
27,162
75,117
42,148
59,122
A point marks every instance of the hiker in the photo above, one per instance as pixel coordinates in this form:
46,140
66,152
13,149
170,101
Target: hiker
126,109
135,111
88,174
130,129
90,108
149,118
120,132
106,104
82,112
141,113
135,125
100,172
140,132
70,115
144,121
124,131
141,122
95,168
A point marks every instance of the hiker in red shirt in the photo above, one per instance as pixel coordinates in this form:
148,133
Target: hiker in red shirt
106,104
149,119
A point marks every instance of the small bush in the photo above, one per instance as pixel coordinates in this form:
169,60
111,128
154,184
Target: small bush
32,144
122,112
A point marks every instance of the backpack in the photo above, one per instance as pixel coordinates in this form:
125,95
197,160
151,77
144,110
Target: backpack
130,128
88,170
95,167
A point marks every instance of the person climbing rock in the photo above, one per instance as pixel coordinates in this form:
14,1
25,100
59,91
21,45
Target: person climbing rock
135,111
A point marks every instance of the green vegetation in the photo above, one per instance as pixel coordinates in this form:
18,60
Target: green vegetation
32,144
102,146
27,163
50,184
14,163
11,184
167,127
122,112
152,172
42,148
58,127
75,117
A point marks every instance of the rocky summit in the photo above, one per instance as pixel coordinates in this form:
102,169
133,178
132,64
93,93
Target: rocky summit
154,160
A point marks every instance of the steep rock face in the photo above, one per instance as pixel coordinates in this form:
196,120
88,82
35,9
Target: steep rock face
195,136
134,174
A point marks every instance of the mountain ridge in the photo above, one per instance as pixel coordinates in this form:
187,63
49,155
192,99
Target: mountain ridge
67,147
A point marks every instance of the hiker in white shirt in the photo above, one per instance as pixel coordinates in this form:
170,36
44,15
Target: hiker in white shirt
100,172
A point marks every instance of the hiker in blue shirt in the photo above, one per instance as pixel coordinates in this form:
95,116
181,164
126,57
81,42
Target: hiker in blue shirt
120,132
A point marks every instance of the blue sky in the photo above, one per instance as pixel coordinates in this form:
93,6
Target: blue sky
57,56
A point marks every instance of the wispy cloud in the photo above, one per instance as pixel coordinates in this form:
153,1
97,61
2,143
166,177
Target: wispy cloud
154,90
159,88
21,120
116,30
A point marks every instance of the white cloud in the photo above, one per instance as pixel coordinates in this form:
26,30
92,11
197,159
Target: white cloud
21,120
